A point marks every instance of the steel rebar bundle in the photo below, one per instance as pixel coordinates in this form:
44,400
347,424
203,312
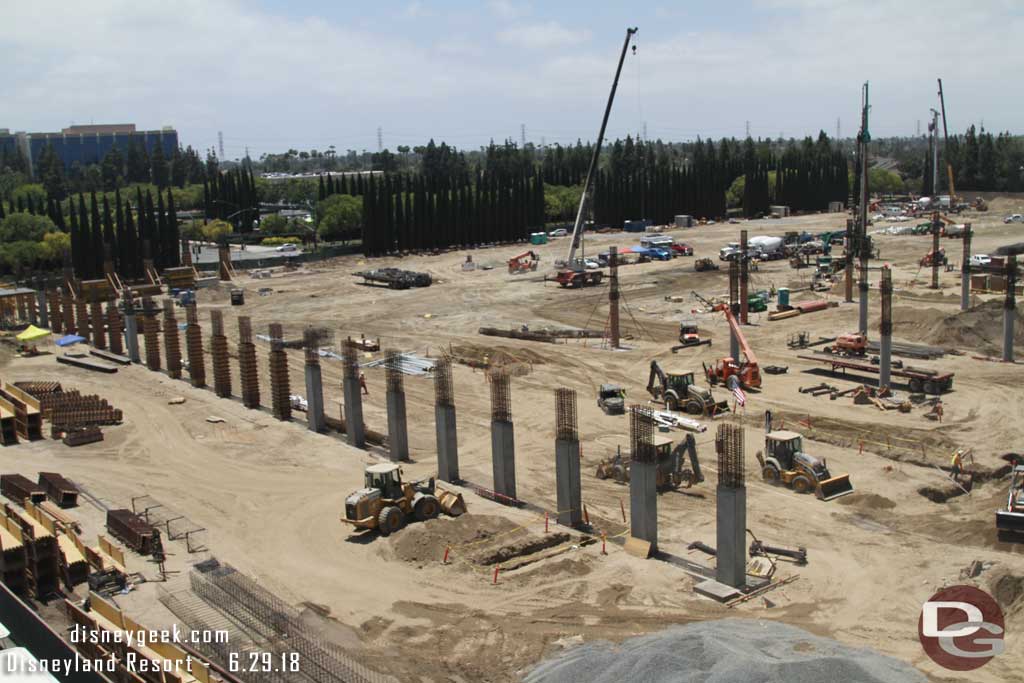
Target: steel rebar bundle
280,387
729,447
247,368
114,328
150,332
444,390
641,434
501,396
221,359
171,340
194,347
98,324
566,426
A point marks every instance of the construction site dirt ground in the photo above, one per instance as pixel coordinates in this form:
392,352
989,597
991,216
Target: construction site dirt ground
269,494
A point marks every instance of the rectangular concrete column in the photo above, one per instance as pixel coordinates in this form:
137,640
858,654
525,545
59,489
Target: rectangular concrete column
44,319
885,330
965,271
503,458
1009,308
731,542
731,549
354,427
398,434
447,444
643,502
567,482
131,336
444,423
314,398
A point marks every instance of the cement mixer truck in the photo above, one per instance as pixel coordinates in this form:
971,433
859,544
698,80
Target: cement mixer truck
770,247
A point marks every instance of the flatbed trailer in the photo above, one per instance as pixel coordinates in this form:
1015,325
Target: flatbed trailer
919,379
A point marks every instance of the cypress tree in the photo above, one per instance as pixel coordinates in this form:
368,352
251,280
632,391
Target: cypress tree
151,248
97,238
2,216
84,241
321,192
132,263
174,234
162,248
76,240
110,245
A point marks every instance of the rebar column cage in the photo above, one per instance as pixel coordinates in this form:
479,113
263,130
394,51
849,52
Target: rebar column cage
641,434
311,343
566,426
393,371
444,391
501,396
350,360
729,447
885,288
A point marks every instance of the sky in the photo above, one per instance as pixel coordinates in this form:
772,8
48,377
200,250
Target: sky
279,74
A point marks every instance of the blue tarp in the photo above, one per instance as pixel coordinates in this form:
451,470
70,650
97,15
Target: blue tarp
70,339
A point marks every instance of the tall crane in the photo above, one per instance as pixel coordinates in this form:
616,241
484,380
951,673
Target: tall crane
574,269
748,372
945,147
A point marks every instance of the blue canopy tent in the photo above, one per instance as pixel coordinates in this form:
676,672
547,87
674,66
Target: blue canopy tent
70,340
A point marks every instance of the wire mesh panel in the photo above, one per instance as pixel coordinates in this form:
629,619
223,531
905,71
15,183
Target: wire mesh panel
393,371
641,434
501,396
566,426
729,447
444,390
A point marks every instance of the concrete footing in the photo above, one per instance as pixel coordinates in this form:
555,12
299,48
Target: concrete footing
503,458
314,399
447,444
567,482
731,535
643,502
398,430
354,427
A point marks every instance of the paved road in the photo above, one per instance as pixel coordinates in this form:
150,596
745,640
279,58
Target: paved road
208,254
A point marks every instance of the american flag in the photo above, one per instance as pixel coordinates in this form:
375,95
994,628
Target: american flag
741,398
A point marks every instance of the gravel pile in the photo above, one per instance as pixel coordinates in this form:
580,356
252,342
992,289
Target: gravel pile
724,651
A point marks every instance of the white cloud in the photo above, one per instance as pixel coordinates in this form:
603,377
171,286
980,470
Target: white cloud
540,36
507,9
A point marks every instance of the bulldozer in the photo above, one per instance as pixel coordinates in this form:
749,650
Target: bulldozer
1010,522
672,472
386,503
703,264
784,462
611,398
679,392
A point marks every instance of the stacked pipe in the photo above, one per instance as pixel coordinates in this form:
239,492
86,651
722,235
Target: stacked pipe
114,328
172,342
221,360
247,369
194,347
98,323
150,330
280,389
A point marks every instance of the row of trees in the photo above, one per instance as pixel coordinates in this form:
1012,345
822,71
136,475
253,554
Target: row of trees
234,197
128,234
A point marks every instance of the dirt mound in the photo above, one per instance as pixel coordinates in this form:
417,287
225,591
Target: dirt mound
518,362
868,501
1007,589
979,329
725,650
425,543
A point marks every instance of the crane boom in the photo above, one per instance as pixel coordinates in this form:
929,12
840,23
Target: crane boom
592,169
737,330
945,146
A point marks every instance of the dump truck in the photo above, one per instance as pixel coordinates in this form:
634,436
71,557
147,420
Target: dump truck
672,471
611,399
678,392
386,503
784,462
1010,522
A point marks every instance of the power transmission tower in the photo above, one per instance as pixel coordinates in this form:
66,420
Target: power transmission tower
837,128
918,128
522,135
645,131
748,129
220,143
380,139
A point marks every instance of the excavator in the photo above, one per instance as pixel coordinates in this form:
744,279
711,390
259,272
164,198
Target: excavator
678,391
573,272
672,473
748,372
785,462
524,262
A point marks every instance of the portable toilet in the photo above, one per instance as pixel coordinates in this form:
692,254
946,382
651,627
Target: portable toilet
783,298
539,238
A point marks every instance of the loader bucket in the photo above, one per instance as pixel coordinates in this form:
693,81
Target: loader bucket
1010,521
452,503
835,487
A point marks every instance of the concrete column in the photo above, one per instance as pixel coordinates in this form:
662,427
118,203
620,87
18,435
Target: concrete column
131,336
731,546
643,502
1009,308
885,330
44,320
354,427
503,458
567,482
447,444
314,398
862,286
398,431
965,271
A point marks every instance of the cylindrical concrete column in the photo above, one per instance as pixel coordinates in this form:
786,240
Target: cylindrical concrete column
354,427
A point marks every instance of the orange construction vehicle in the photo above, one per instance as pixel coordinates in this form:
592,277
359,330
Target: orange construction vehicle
524,262
748,372
931,256
853,344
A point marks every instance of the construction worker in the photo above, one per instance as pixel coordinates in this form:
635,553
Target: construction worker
956,463
362,384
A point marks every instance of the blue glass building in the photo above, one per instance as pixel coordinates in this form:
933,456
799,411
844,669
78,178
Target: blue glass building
87,145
